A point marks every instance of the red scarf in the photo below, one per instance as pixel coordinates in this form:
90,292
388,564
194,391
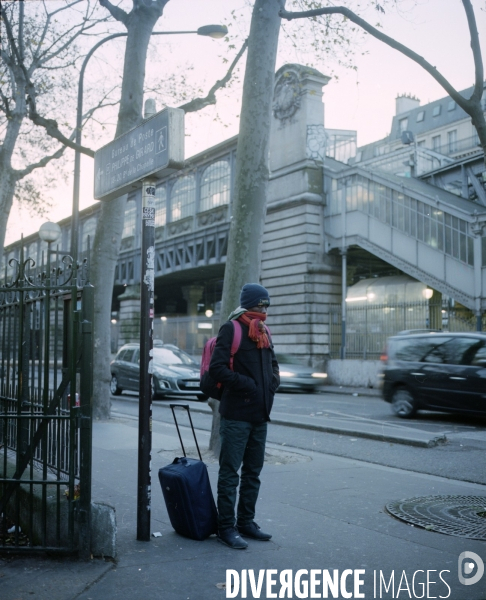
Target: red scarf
257,332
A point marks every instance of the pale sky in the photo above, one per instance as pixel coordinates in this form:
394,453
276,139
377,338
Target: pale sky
362,100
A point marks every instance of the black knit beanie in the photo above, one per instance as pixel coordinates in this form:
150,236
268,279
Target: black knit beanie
253,294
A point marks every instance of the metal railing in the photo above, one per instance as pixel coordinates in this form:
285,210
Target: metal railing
45,438
369,326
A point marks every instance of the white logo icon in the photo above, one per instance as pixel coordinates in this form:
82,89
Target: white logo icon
466,568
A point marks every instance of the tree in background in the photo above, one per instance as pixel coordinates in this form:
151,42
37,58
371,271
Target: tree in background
243,260
472,106
38,54
139,23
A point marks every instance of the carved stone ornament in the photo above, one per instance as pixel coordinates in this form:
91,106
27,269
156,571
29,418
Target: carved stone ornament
286,98
180,227
212,216
477,228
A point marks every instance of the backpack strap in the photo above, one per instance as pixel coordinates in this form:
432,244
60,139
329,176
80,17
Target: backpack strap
235,344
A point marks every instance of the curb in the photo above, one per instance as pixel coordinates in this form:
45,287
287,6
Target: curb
419,439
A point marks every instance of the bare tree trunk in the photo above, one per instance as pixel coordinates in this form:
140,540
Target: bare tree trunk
105,255
7,190
251,176
110,224
8,179
479,122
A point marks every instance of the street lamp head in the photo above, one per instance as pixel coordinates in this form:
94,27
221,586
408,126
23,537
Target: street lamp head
49,232
214,31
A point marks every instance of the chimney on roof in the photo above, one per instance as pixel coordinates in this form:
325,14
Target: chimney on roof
405,102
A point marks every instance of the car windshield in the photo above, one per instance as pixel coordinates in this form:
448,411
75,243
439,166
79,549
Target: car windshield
173,356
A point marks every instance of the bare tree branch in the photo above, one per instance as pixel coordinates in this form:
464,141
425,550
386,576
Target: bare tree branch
420,60
476,49
21,31
158,5
8,112
161,4
52,128
471,105
40,45
81,30
200,103
21,173
117,13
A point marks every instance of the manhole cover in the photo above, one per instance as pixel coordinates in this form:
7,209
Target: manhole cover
462,516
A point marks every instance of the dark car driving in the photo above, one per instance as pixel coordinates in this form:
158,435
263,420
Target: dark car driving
175,373
435,371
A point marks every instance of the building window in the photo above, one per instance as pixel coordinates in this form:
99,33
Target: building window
421,143
160,206
413,217
452,140
437,110
403,124
451,106
183,198
436,143
215,185
89,229
420,116
130,220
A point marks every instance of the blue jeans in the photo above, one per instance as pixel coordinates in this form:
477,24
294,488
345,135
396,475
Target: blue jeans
242,445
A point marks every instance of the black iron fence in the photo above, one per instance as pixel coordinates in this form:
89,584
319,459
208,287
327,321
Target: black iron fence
45,406
368,326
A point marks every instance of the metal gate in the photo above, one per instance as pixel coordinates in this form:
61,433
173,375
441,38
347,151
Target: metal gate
46,368
369,326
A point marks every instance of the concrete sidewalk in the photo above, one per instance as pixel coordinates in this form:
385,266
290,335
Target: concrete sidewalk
325,512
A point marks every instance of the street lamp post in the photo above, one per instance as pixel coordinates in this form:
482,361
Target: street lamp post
145,400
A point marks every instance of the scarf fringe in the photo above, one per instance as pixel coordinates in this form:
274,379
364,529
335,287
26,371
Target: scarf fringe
257,331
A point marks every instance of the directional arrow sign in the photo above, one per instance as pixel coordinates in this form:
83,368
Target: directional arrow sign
154,148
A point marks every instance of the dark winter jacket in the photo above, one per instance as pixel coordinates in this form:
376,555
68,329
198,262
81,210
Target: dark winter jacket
248,389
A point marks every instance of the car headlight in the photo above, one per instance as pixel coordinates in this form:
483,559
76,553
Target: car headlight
162,383
319,375
287,374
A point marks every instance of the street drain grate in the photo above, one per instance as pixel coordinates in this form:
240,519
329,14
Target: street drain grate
462,516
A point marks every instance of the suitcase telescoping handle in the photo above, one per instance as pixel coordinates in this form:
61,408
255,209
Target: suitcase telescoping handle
186,407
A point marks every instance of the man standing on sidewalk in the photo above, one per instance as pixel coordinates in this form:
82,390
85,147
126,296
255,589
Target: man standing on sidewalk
245,411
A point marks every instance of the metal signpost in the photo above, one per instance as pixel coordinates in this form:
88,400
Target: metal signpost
137,158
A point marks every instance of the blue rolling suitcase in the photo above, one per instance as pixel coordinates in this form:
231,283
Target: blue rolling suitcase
187,492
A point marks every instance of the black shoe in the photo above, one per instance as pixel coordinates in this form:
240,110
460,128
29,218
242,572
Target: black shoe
231,538
252,530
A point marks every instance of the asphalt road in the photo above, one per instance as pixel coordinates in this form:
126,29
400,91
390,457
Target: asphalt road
461,457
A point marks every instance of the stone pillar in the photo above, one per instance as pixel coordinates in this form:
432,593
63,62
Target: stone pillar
301,277
192,294
435,310
129,315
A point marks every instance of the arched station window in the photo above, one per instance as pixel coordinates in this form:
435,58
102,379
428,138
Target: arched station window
215,185
183,198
